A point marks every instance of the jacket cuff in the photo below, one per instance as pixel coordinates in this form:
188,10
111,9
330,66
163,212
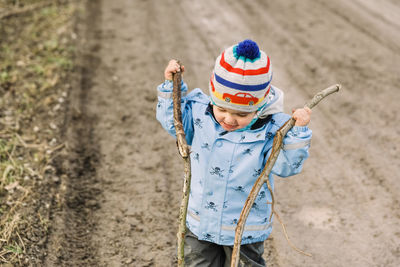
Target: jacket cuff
296,130
165,89
168,86
169,94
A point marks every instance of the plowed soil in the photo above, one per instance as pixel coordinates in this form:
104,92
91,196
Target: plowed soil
125,174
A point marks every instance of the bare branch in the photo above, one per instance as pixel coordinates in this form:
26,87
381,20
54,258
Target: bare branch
321,95
25,9
264,178
287,237
184,152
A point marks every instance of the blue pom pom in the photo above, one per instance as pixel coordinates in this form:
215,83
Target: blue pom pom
248,49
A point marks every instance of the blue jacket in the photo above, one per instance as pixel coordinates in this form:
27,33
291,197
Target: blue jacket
225,166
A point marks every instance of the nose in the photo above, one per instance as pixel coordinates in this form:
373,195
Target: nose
229,119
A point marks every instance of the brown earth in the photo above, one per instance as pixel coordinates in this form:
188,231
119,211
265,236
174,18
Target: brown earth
124,187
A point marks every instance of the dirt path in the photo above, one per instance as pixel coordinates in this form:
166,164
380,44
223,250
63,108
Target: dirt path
124,194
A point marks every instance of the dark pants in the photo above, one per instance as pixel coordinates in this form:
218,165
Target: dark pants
199,253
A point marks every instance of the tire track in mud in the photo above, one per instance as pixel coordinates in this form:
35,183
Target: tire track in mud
137,217
360,17
70,242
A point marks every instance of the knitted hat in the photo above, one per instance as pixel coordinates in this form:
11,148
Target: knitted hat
241,78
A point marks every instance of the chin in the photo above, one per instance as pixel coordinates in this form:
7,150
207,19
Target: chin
230,129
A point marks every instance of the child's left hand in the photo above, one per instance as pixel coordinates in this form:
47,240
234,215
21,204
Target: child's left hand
302,116
172,67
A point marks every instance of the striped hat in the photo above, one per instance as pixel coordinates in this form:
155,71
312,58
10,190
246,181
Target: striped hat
241,79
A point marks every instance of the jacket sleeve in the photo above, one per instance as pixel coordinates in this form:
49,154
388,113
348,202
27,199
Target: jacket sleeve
165,110
294,152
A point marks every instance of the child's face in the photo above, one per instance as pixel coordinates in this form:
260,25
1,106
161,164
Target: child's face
232,120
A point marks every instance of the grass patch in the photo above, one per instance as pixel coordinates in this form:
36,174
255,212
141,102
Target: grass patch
36,57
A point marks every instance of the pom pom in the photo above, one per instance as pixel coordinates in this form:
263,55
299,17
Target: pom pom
248,49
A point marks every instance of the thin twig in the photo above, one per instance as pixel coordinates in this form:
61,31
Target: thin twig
287,237
2,258
10,156
264,176
52,150
184,152
22,242
25,145
274,212
25,9
7,170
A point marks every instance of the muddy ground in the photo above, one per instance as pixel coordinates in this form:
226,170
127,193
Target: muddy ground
122,193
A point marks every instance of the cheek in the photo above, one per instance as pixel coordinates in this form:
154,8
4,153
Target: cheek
244,121
218,117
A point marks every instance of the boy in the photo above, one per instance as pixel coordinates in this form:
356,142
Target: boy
231,134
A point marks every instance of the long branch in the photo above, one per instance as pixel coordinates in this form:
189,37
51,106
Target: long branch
264,176
184,152
25,9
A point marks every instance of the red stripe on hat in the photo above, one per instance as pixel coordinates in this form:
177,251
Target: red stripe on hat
212,84
229,68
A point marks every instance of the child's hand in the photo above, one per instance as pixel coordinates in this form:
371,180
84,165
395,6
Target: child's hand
302,116
172,67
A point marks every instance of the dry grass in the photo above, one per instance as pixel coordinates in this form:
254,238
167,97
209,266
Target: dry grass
11,4
35,57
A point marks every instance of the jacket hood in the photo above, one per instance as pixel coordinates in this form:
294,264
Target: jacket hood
274,103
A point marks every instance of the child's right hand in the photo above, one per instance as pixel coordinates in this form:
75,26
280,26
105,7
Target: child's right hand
173,67
302,116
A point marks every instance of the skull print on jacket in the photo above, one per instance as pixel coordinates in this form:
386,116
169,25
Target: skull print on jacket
219,190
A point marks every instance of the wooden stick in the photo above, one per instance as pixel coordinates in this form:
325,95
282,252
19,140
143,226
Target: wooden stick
25,9
264,177
184,152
